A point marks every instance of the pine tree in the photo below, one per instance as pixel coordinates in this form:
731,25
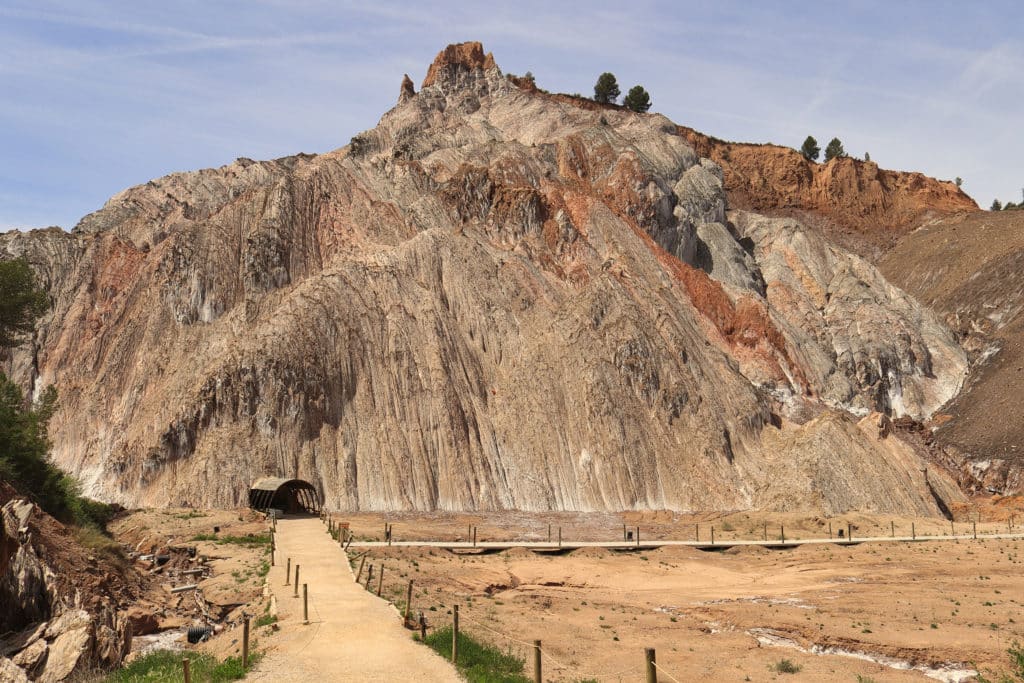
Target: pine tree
810,149
996,205
606,90
834,150
637,99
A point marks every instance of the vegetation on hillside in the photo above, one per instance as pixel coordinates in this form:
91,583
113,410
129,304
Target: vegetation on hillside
24,442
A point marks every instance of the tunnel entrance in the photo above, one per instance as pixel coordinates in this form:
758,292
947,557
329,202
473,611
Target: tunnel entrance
290,496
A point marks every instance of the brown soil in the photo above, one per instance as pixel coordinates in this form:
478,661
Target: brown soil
230,584
595,610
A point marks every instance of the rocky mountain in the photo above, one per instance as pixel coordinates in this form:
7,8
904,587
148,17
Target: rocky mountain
496,298
854,203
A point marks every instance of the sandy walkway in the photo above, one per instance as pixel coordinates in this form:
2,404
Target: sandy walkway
352,635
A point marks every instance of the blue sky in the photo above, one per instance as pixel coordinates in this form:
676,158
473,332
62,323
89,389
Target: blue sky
98,96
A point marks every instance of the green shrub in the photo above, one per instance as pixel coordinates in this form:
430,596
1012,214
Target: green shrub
785,666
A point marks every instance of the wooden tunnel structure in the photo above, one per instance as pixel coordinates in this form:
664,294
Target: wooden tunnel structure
292,496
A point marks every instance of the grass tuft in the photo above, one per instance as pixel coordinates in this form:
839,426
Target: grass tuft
165,665
786,666
479,663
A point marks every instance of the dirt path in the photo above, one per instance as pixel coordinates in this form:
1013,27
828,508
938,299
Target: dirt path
352,635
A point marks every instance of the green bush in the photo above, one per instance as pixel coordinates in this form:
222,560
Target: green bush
479,663
786,666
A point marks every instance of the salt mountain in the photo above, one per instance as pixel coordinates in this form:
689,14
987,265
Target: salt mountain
497,298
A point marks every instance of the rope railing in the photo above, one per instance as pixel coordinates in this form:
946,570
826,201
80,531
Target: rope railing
662,669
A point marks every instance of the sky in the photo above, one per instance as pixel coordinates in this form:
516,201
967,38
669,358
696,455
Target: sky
99,96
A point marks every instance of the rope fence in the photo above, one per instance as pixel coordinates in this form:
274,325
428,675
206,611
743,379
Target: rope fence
344,536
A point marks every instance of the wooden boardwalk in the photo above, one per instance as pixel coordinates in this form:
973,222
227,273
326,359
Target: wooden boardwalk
724,544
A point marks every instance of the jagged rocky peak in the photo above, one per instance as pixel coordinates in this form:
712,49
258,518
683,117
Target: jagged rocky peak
454,63
495,298
406,91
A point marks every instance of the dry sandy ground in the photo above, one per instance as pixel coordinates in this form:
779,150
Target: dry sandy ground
724,616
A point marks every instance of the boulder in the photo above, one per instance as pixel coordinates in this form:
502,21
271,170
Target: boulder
11,673
31,659
70,649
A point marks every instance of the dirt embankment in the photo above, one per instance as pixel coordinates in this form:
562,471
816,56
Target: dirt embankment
970,269
860,206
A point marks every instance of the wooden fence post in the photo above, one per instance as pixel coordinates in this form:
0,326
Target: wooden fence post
245,643
408,602
766,532
559,537
849,531
830,529
974,527
913,532
423,627
712,534
455,634
474,535
288,572
185,667
305,603
296,581
892,527
380,579
638,537
952,530
369,577
782,531
652,671
537,678
359,574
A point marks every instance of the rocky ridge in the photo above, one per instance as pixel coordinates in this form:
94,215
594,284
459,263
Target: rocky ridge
491,300
856,204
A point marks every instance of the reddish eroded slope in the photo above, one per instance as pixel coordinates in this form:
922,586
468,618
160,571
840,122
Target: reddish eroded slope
862,207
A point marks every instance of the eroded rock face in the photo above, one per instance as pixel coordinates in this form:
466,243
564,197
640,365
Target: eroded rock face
490,300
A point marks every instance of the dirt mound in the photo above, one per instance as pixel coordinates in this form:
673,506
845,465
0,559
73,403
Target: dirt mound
970,269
